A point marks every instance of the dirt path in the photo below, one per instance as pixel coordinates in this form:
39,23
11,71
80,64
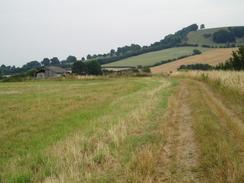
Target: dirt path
180,155
218,131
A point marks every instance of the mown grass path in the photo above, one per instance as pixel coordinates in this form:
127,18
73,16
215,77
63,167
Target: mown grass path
205,138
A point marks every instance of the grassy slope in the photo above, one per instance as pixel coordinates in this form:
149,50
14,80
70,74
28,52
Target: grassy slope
152,58
76,131
212,57
198,37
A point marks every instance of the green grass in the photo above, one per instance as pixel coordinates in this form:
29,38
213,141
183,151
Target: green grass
152,58
199,38
77,130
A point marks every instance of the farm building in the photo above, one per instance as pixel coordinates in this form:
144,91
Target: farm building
51,72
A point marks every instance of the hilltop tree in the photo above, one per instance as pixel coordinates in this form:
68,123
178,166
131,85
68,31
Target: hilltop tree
112,52
55,61
202,26
88,57
45,62
71,59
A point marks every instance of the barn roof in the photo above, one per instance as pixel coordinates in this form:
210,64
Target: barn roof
58,70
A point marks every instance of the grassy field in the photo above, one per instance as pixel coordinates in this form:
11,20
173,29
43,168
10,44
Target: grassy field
199,38
152,58
212,57
80,131
141,129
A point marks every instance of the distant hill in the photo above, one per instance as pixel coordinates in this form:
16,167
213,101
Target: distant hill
156,57
182,43
206,36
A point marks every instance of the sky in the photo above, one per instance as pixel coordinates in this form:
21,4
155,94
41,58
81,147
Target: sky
35,29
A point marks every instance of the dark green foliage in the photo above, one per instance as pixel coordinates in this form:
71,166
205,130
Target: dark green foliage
203,67
196,52
223,36
55,61
237,31
79,68
146,69
46,62
93,68
206,46
87,68
236,62
202,26
207,35
31,65
71,59
21,77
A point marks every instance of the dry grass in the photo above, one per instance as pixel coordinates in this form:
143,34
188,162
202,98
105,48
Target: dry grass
227,79
212,57
99,157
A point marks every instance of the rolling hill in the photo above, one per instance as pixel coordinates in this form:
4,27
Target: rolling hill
212,57
152,58
202,38
205,37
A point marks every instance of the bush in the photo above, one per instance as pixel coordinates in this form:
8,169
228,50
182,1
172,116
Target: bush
196,52
146,69
236,62
203,67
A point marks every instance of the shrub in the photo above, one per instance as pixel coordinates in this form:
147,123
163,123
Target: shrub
196,52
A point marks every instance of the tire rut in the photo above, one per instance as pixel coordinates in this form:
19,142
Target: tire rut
180,155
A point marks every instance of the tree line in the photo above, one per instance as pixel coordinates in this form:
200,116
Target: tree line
228,36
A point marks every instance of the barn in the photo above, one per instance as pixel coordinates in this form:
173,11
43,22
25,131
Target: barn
51,72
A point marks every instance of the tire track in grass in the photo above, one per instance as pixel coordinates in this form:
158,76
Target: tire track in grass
219,133
180,154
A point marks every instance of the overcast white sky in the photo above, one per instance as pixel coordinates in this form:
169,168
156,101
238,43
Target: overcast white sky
34,29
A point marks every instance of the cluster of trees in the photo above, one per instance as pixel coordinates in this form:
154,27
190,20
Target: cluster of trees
236,62
12,70
87,68
228,36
